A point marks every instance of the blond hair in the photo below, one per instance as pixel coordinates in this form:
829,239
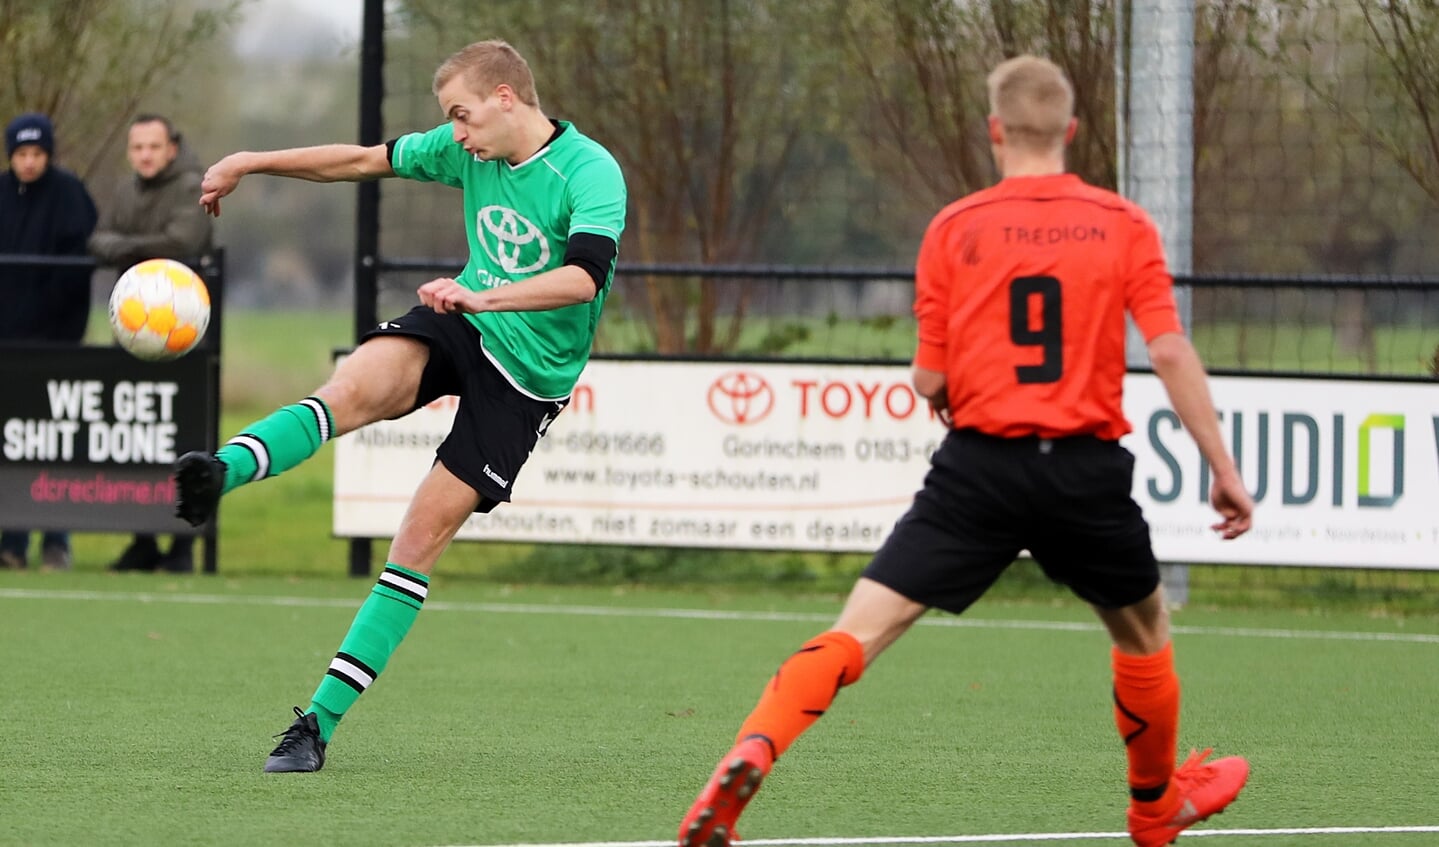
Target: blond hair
1033,101
487,64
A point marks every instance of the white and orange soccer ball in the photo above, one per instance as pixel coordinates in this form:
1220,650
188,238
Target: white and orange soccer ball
159,310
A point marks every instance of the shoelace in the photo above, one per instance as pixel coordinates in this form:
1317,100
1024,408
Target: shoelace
1193,771
292,736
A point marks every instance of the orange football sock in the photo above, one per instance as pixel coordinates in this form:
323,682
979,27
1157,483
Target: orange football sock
803,687
1146,710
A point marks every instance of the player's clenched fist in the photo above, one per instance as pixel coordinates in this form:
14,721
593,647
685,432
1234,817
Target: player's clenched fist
446,296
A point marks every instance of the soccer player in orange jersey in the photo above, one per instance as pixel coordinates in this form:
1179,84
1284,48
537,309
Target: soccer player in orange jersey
1021,291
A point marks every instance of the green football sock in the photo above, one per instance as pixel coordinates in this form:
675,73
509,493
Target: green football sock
273,445
377,630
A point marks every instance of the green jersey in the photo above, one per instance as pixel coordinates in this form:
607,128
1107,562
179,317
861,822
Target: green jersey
518,220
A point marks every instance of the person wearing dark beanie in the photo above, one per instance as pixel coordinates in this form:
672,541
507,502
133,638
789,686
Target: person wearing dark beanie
30,128
45,210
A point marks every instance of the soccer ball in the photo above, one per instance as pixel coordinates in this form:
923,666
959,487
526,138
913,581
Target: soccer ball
159,310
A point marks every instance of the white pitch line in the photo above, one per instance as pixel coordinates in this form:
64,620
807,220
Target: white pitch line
1315,830
1002,838
694,614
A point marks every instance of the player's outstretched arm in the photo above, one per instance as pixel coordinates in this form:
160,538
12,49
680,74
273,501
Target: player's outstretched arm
1178,366
326,163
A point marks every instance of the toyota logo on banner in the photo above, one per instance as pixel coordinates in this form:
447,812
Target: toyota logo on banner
740,397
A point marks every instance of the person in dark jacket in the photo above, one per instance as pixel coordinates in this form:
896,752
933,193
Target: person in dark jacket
44,210
153,215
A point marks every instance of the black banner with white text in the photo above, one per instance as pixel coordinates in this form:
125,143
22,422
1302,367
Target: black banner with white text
88,436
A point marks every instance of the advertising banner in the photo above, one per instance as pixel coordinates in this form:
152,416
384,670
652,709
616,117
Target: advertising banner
1344,472
88,436
827,457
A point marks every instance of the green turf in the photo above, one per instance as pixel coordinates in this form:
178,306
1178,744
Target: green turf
133,720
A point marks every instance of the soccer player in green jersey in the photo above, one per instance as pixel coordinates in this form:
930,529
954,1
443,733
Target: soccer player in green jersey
544,209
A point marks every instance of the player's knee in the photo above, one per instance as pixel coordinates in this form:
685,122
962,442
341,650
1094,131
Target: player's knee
354,402
342,398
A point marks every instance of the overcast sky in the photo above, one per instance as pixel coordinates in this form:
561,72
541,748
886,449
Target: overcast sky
287,28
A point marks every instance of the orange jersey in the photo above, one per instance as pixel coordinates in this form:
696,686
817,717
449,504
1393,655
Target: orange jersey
1020,292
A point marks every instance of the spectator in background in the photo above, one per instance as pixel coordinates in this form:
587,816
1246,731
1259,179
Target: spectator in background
44,209
153,215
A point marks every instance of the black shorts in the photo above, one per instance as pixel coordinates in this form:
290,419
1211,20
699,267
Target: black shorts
1065,500
496,426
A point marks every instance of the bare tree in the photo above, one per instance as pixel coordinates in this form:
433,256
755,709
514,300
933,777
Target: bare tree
1369,66
926,101
89,63
924,63
1405,37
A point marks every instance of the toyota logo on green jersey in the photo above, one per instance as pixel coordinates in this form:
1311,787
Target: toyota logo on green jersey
511,240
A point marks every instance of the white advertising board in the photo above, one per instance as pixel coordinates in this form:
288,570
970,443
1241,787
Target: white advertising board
1344,472
827,457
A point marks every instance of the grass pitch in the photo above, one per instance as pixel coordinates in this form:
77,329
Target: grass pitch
138,710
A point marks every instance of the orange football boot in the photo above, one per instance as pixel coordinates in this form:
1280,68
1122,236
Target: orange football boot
711,820
1203,789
